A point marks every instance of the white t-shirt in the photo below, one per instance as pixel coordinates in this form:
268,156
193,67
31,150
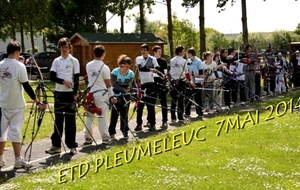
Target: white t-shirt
92,69
12,75
208,70
65,69
279,68
178,67
239,71
150,62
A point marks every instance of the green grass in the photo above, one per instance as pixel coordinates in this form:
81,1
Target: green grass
260,156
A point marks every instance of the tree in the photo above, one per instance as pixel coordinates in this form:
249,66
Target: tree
221,4
297,30
170,28
71,16
215,39
191,4
142,3
36,18
154,27
281,39
119,7
188,38
9,24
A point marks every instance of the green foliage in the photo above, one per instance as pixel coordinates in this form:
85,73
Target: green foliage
185,33
282,38
297,30
189,3
215,39
259,40
222,3
10,18
156,27
71,16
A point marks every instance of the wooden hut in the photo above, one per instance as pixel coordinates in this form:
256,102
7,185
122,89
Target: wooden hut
115,44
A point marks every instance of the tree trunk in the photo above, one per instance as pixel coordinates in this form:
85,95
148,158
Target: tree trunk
104,22
202,27
244,23
122,17
22,37
142,16
32,38
170,29
14,35
44,42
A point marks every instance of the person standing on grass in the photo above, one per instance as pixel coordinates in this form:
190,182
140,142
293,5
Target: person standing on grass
147,65
195,67
210,81
160,84
123,81
178,73
100,83
64,73
13,76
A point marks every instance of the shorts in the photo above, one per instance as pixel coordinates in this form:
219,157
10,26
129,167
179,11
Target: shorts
11,124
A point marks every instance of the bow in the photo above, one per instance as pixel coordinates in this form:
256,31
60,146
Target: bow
40,87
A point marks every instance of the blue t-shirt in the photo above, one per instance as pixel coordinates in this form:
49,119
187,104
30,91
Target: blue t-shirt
122,81
194,66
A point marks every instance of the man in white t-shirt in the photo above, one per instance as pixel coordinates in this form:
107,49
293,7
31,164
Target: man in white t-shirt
178,71
100,85
13,76
64,73
147,65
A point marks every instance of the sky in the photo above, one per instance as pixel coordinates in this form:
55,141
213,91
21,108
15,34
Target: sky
262,16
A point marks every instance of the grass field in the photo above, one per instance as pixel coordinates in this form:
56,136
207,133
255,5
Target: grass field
252,151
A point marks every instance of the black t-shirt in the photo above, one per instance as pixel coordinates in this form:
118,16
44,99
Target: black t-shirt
162,65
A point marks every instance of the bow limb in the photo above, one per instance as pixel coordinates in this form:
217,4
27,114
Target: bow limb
41,87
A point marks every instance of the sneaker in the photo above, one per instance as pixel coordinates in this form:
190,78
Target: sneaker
218,110
2,163
125,135
211,112
106,141
147,125
138,128
112,136
182,121
88,141
22,164
152,128
53,150
227,107
165,125
173,120
187,116
200,116
242,103
73,151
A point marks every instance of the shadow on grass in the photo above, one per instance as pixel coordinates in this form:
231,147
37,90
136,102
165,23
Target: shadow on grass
56,159
6,175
